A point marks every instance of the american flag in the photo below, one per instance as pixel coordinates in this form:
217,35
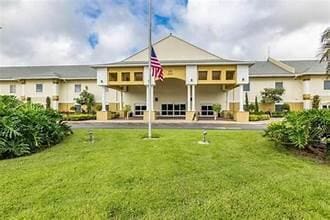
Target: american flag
156,67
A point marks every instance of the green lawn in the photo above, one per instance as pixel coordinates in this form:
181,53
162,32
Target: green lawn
239,175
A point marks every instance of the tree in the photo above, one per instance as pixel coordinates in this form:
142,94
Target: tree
325,54
271,95
216,109
256,108
86,99
48,102
316,102
246,106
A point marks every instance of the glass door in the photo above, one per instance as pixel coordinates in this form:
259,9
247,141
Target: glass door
173,110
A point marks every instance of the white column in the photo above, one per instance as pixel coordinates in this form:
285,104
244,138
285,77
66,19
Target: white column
306,94
147,98
227,101
23,90
104,95
121,100
193,105
241,98
55,98
188,98
152,98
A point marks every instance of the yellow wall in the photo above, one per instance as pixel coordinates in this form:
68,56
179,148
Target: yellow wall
222,68
178,72
296,106
65,107
120,70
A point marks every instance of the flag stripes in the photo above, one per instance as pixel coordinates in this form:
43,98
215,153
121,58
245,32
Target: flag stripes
156,67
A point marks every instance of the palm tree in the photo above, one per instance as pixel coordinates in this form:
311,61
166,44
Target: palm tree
325,41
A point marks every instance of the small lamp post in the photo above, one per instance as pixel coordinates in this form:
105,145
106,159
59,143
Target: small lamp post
203,141
90,136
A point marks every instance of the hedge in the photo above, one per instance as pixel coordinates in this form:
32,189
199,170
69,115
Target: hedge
259,117
79,117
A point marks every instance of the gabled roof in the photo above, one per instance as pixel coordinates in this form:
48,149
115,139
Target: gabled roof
47,72
173,50
307,66
276,69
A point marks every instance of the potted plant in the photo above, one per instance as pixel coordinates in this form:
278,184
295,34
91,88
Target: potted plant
216,110
127,110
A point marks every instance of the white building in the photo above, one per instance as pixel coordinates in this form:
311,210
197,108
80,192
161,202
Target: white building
194,80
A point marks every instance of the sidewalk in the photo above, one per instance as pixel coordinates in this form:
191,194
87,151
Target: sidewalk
170,124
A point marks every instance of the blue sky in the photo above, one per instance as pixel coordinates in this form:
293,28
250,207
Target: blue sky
103,31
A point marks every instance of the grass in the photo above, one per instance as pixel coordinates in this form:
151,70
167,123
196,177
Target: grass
122,176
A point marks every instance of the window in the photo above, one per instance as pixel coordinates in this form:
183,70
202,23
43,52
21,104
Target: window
230,75
246,87
77,108
12,89
326,106
39,87
326,84
216,75
278,85
125,76
206,110
77,88
113,77
202,75
278,107
139,109
138,76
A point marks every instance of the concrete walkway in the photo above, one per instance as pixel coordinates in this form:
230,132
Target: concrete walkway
172,124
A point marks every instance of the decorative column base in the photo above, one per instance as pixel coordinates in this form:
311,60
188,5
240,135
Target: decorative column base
241,116
146,116
103,116
191,116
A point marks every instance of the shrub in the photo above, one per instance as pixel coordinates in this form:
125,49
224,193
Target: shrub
98,107
48,102
26,128
251,108
271,95
79,117
258,117
86,99
256,104
246,106
316,102
278,114
303,130
285,107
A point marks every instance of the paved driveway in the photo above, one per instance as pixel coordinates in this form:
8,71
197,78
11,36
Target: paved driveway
210,125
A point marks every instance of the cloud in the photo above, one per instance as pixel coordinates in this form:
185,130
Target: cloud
93,39
245,29
103,31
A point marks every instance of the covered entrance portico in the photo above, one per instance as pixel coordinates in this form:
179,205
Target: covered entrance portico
194,80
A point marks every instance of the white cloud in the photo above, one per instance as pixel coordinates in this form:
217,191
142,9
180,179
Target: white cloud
56,31
244,29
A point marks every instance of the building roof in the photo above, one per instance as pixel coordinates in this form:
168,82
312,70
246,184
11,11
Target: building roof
47,72
173,50
270,68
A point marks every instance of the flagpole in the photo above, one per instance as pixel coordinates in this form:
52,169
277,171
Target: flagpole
149,75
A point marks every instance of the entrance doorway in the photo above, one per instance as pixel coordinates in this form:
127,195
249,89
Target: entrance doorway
173,110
